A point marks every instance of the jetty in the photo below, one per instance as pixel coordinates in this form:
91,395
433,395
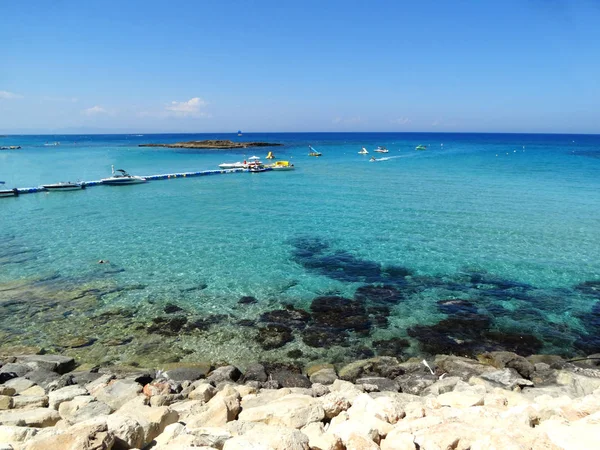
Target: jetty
214,145
164,176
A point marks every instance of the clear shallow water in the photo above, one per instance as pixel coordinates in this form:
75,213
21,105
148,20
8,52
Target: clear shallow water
522,208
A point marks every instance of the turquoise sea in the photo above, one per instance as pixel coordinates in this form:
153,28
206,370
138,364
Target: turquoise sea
481,242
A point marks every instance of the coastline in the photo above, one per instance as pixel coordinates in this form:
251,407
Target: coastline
214,145
502,400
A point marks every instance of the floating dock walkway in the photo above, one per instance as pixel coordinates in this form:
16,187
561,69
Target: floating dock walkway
164,176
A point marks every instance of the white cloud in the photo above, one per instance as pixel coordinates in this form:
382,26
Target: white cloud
94,110
401,121
190,108
5,95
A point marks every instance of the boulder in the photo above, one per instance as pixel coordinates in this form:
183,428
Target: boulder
29,401
42,377
288,379
384,366
264,397
509,360
65,394
263,437
324,376
7,390
19,370
383,384
91,435
118,392
460,399
127,431
255,372
464,368
222,408
82,408
191,372
318,439
346,389
15,435
55,363
415,383
293,411
226,373
209,436
38,417
6,402
203,392
398,441
333,404
152,420
580,384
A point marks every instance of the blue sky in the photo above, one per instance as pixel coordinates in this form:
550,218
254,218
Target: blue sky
219,66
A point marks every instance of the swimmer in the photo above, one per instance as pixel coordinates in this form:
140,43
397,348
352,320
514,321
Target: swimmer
104,261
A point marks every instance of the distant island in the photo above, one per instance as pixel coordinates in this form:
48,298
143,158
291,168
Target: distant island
213,144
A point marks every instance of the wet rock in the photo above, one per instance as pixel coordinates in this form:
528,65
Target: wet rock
42,377
18,370
192,372
289,379
290,317
383,366
322,337
224,374
274,335
167,326
509,360
383,384
415,383
340,313
255,372
247,300
78,342
55,363
171,308
464,368
391,347
324,376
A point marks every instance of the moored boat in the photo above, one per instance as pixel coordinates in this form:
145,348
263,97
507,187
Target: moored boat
281,166
420,147
235,165
64,186
381,150
9,192
120,177
363,151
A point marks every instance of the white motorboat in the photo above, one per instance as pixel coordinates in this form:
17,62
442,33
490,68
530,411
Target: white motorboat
381,150
8,192
120,177
235,165
364,151
64,186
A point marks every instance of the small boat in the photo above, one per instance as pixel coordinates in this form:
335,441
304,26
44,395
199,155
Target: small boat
364,151
9,193
235,165
120,177
313,152
420,147
381,150
239,132
270,155
51,144
64,186
281,166
257,168
11,147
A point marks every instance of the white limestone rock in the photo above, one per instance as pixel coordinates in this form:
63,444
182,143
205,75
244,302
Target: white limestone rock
293,411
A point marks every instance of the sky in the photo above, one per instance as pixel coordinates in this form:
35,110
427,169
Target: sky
276,66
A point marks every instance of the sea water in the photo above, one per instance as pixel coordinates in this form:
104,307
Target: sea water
522,208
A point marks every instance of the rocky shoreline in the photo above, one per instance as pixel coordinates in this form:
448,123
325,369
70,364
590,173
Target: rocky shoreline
499,400
214,144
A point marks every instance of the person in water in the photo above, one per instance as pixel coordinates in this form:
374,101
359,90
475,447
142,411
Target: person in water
104,261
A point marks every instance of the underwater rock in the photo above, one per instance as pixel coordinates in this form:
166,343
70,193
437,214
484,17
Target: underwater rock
391,347
378,294
167,326
314,254
290,317
295,354
456,306
589,288
379,315
340,313
171,308
274,335
247,300
321,337
204,323
590,342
